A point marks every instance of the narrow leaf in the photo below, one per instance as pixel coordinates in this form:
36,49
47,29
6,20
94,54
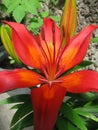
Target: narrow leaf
16,106
63,124
25,122
21,113
86,114
16,99
92,108
71,115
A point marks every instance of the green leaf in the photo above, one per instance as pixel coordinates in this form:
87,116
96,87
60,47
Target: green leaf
25,122
20,115
89,96
44,14
3,10
54,2
36,3
73,117
83,112
19,14
92,108
23,117
36,24
41,0
93,40
16,106
85,63
13,5
6,2
30,7
63,124
55,18
16,99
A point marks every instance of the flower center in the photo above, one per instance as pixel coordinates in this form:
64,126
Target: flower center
50,82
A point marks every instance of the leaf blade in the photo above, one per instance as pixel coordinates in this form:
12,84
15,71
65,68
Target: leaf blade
17,15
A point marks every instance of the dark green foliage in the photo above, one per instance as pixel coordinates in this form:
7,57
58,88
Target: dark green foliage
79,112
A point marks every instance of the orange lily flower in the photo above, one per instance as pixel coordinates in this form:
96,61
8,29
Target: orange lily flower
46,53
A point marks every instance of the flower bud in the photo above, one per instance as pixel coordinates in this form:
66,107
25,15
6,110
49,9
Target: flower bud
6,37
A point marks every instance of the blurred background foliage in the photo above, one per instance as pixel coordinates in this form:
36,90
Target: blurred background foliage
28,12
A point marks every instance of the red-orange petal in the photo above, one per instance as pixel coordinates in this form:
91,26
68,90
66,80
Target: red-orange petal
76,50
81,81
25,45
46,104
18,78
50,39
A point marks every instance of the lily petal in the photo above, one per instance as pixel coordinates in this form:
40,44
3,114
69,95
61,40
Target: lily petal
18,78
81,81
46,105
50,39
68,20
76,50
25,45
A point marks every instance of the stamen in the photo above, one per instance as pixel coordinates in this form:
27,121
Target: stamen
54,47
59,72
45,72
